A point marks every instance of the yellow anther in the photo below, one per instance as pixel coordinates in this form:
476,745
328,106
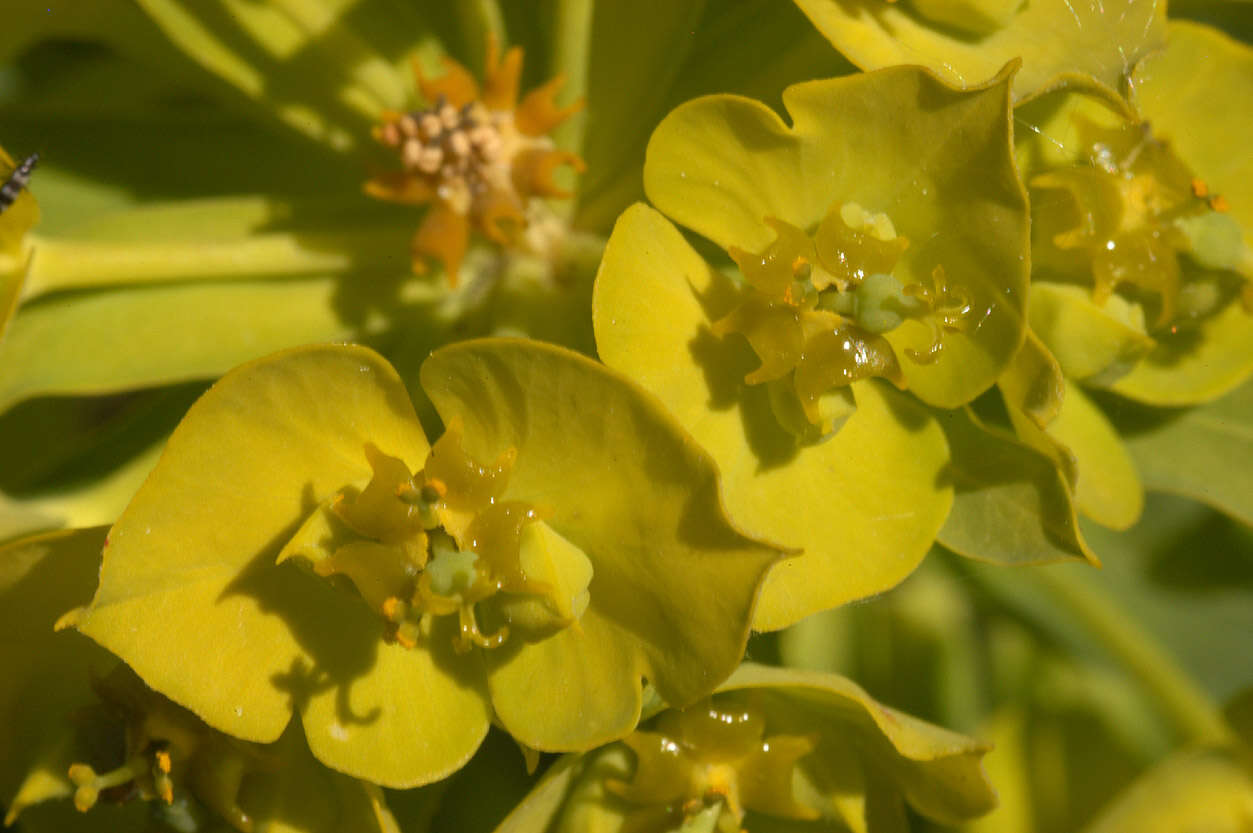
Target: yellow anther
165,789
394,609
163,761
434,489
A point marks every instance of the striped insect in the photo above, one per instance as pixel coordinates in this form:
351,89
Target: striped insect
17,181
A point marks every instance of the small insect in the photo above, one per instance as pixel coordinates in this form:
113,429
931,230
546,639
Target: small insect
17,181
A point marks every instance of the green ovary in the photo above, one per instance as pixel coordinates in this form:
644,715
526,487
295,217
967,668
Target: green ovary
444,542
716,756
816,308
1126,215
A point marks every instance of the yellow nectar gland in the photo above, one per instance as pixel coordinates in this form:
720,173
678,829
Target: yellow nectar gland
718,755
170,759
1133,209
435,544
480,157
816,306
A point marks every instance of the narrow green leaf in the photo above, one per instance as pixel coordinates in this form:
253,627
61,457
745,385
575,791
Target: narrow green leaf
112,340
1204,452
301,59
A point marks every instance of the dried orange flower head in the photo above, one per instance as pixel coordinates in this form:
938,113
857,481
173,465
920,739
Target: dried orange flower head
479,155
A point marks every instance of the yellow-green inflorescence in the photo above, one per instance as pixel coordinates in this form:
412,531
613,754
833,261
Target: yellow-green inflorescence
712,760
480,156
817,306
1132,210
168,757
442,542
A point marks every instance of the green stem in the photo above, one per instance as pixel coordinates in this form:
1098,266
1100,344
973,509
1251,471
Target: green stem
572,41
1179,696
382,813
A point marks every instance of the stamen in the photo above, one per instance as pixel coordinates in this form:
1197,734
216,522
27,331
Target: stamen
90,784
435,544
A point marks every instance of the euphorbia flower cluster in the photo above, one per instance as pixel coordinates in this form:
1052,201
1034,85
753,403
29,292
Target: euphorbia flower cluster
801,348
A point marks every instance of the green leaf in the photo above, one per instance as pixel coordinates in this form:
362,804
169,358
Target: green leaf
111,340
1204,452
936,160
1202,789
161,257
631,70
307,63
190,569
1053,38
77,504
863,506
76,462
1011,502
673,581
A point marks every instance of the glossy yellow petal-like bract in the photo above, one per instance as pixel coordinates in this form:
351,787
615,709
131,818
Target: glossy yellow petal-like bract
863,506
189,592
936,160
673,582
1107,488
1198,93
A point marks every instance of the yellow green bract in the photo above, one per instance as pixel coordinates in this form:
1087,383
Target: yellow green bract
1201,789
936,161
673,583
190,568
862,507
1013,502
1154,228
967,41
74,711
841,757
